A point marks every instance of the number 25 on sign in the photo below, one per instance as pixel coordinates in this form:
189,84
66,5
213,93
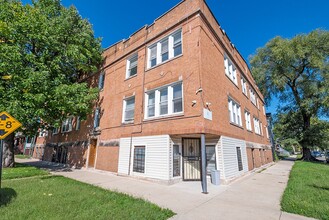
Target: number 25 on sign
8,124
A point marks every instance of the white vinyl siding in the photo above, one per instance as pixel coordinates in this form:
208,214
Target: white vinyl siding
229,157
234,112
248,120
164,101
165,49
132,66
156,156
230,70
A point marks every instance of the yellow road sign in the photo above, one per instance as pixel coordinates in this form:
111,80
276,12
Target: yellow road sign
8,124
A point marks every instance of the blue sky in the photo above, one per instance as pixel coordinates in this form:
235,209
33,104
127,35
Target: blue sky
249,24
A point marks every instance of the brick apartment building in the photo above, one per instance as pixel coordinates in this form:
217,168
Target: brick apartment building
160,89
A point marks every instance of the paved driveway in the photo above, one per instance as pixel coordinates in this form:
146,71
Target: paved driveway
256,196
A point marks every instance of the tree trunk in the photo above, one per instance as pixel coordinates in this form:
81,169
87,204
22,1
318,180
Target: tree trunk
8,151
307,155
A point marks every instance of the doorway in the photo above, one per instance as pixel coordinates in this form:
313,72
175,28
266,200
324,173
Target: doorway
92,153
191,159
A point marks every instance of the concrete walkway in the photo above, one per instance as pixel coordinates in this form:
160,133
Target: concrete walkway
256,196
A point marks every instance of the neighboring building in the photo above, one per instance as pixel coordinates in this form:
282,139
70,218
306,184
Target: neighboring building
162,88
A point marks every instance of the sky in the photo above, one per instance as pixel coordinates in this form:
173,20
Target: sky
249,24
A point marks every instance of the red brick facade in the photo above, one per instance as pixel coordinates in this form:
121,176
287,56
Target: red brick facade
201,65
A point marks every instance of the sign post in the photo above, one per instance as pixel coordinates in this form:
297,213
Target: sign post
8,125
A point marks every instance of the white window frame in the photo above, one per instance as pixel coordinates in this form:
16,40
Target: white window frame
43,133
170,101
158,56
230,70
234,112
252,96
77,123
244,85
55,130
256,125
124,119
130,67
264,110
97,117
267,134
67,125
248,120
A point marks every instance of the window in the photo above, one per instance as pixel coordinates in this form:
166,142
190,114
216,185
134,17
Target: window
261,128
235,112
244,85
230,70
247,118
164,101
129,109
55,130
67,125
176,160
239,157
267,134
264,110
252,96
132,66
101,81
165,49
43,133
77,123
139,159
257,101
151,104
256,126
97,117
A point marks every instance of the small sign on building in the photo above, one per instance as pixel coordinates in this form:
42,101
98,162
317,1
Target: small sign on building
207,114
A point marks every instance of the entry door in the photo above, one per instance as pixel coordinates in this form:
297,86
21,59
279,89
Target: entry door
92,153
191,159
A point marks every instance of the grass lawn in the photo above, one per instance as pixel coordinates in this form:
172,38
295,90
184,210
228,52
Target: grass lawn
57,197
307,192
22,156
21,170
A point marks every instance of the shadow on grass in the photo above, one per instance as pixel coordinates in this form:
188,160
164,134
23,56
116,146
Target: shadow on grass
49,166
6,195
319,187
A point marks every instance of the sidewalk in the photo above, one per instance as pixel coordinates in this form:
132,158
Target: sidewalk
256,196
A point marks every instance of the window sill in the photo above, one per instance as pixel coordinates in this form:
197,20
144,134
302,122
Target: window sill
236,85
164,116
130,77
250,131
236,125
128,122
245,95
167,61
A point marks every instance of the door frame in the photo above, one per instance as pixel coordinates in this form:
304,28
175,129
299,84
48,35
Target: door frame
87,165
183,167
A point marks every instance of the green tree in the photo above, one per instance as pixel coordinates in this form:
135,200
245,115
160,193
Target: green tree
296,71
46,50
